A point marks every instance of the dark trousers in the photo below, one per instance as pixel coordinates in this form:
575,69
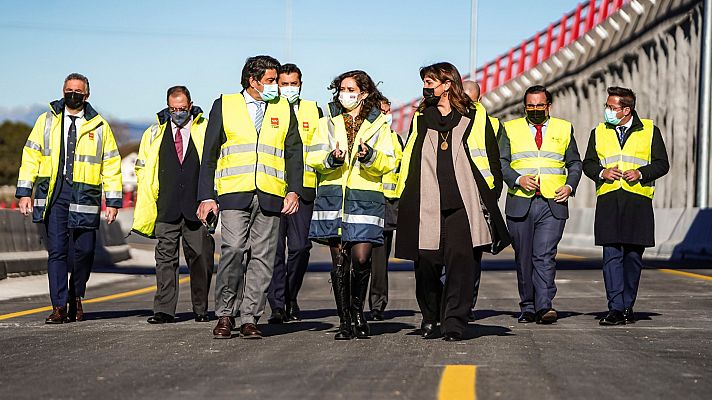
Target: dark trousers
534,239
378,293
198,249
622,265
449,303
69,250
288,276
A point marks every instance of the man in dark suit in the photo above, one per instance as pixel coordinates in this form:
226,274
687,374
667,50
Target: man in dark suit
167,170
625,156
542,167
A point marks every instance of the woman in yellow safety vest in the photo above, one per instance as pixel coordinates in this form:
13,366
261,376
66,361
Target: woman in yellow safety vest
352,149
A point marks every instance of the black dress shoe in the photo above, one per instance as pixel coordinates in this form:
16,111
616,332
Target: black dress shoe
546,316
452,337
430,331
526,317
277,316
160,318
629,315
614,317
202,318
292,311
377,315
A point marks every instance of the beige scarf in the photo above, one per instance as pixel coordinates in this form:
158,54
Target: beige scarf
429,231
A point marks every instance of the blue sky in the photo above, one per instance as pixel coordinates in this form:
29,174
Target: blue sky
132,51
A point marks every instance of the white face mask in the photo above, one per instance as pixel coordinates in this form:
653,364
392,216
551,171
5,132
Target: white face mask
349,100
271,91
291,93
389,119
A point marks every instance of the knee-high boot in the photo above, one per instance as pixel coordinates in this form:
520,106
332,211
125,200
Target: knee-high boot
359,290
340,284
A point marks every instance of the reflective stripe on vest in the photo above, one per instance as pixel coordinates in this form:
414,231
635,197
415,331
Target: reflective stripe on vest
249,161
636,153
547,163
308,120
477,144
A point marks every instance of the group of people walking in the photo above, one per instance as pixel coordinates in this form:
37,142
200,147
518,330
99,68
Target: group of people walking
280,172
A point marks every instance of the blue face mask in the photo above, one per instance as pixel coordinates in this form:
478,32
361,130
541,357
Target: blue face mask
610,117
270,92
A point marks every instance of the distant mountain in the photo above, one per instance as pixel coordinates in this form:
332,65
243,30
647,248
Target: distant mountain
125,131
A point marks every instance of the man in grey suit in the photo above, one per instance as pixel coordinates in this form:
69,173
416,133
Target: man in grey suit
542,167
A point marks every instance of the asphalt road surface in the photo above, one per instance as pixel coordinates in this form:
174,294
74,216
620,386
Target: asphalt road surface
667,354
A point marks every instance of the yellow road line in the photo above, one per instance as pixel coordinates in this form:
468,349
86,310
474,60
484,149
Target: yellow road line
458,382
121,295
687,274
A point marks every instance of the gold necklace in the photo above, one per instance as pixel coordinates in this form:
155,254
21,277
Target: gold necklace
444,145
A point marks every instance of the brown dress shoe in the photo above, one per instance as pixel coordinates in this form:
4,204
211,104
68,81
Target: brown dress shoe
223,330
75,313
250,331
58,316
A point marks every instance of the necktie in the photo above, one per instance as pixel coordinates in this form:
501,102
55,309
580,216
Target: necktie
179,145
71,145
538,137
259,116
621,135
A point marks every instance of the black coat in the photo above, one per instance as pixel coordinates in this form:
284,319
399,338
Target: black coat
408,235
623,217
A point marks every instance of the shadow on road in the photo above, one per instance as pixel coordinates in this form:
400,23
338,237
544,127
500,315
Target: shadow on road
295,326
639,316
97,315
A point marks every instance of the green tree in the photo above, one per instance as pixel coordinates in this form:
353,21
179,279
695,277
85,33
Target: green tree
13,136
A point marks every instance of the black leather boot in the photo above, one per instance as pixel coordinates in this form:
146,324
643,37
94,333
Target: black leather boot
359,290
340,285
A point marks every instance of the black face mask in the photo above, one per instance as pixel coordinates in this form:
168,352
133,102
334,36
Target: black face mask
430,98
536,117
74,100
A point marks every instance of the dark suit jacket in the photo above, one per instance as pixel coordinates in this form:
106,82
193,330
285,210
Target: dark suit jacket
177,183
518,207
215,137
622,216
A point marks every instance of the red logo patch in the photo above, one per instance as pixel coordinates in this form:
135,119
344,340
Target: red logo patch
305,125
275,122
91,135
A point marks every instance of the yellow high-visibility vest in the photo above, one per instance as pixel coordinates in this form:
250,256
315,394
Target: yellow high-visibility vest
146,212
249,161
475,144
308,120
97,167
390,180
547,163
636,153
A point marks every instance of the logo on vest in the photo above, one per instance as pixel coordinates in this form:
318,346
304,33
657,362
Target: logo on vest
275,122
305,126
91,135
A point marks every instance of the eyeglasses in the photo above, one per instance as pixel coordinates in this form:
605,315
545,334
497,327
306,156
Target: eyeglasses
178,109
536,106
612,108
75,91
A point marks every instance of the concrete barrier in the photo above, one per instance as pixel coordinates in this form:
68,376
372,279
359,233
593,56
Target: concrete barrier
23,247
680,233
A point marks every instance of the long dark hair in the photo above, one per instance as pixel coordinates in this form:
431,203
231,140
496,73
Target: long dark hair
365,83
443,72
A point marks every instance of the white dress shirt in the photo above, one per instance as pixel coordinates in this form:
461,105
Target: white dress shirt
67,122
184,132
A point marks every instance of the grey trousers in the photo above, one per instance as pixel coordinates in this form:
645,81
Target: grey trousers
249,245
198,249
534,239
